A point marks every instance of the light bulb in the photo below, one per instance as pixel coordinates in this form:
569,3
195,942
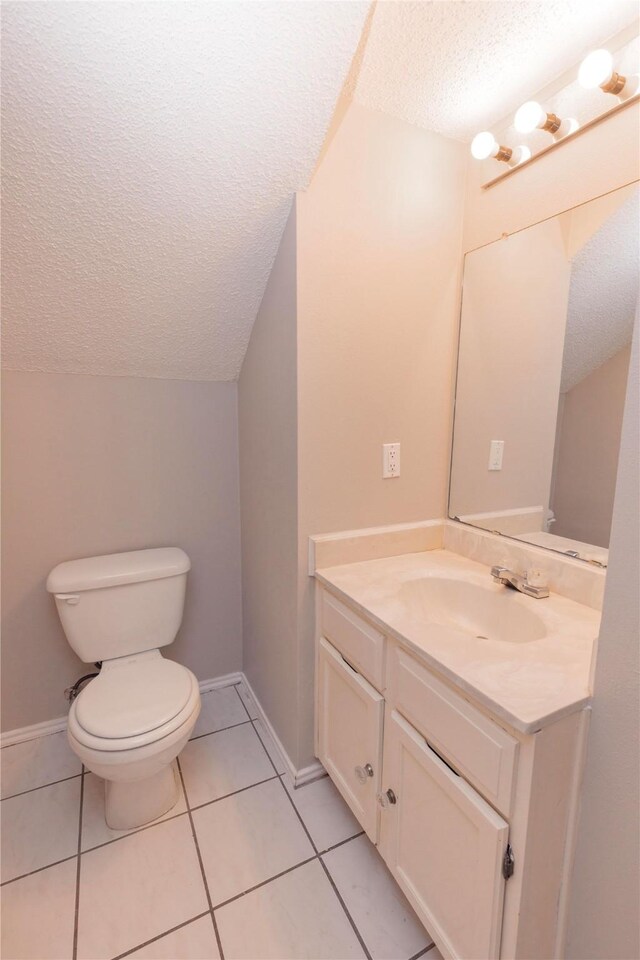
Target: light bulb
596,70
520,154
484,145
529,117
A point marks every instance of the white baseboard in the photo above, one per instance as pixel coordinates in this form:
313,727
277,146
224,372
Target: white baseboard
44,729
227,680
312,771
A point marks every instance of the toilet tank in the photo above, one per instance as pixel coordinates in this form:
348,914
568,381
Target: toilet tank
121,604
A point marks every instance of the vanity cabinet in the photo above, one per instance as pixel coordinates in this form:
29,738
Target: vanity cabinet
443,843
473,818
350,718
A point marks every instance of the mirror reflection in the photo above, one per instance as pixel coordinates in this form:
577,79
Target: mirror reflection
545,336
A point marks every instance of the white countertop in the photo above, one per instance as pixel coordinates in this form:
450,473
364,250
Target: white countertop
528,685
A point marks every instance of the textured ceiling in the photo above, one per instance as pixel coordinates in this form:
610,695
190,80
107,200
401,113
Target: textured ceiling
459,66
603,294
150,155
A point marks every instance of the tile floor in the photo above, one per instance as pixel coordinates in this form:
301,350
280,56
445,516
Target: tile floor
244,866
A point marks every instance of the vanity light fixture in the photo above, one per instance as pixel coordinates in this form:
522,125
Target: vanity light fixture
531,116
597,70
485,145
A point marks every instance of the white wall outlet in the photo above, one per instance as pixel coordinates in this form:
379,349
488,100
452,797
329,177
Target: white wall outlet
390,460
496,453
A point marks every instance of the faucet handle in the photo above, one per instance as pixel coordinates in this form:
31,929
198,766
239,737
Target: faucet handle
497,572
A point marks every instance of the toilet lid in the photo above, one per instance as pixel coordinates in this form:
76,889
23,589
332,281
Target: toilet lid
133,699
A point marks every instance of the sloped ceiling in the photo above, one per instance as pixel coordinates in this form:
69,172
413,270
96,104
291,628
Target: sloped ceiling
150,155
459,66
603,295
151,151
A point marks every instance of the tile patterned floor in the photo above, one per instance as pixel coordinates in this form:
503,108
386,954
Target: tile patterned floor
244,867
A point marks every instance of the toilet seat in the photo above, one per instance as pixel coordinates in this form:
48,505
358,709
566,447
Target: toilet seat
134,703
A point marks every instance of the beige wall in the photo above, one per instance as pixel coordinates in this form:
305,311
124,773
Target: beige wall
584,482
268,495
514,313
96,465
604,921
379,234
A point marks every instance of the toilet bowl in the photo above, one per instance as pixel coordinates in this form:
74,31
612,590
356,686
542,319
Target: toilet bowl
129,724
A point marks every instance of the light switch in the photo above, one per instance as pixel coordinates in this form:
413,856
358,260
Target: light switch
496,452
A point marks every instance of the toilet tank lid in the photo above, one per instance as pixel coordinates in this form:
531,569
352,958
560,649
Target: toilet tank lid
94,573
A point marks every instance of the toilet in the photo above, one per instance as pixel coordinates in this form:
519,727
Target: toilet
129,724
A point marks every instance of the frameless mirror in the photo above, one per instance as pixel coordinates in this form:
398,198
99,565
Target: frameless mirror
545,336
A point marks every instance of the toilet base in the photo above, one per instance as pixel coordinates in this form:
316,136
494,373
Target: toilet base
132,803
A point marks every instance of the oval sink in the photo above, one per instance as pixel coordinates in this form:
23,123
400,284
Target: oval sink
483,612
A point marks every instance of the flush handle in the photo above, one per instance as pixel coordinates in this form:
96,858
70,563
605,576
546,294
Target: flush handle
71,598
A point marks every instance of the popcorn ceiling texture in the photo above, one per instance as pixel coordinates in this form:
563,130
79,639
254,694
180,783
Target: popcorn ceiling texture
603,295
150,156
460,67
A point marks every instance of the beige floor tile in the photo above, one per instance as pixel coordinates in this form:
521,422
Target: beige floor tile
223,762
247,838
270,746
38,914
40,828
137,888
379,909
296,917
325,814
248,701
94,826
36,762
194,941
219,709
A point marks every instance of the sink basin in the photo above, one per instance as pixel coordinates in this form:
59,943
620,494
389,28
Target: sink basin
487,613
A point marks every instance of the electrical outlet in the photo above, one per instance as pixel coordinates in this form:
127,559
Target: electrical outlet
390,460
496,452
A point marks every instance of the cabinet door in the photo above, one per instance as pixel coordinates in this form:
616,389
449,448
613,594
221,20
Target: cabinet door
350,716
444,844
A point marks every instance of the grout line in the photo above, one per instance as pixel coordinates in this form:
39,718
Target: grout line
315,849
56,863
200,861
130,833
210,733
235,686
344,907
179,926
263,883
424,950
42,786
77,900
225,796
341,843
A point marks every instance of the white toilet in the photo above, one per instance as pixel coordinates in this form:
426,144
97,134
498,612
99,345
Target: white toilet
130,723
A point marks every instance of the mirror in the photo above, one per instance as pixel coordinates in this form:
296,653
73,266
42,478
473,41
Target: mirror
545,335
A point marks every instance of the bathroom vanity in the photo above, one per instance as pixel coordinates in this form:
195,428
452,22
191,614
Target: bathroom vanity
451,714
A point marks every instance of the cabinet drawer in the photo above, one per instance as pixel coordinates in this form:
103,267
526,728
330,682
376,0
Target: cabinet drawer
479,749
361,644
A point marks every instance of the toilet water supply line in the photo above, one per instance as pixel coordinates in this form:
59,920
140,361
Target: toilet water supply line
72,692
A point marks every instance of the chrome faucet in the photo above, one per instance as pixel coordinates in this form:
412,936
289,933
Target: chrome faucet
518,582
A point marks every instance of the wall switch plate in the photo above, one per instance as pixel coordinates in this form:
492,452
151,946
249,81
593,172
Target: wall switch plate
390,460
496,452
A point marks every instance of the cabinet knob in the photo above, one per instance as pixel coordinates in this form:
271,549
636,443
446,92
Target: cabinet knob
389,797
363,773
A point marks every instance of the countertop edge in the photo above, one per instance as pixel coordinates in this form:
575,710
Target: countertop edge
497,710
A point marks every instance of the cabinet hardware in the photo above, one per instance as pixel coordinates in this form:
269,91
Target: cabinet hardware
508,863
363,773
389,797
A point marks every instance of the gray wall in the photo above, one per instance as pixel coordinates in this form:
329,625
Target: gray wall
604,919
269,497
96,465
